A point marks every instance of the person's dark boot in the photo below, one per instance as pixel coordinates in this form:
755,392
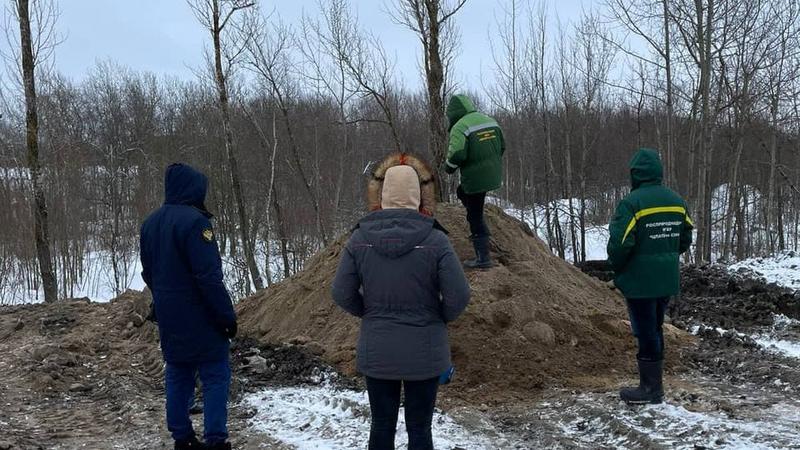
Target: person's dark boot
651,387
219,446
190,444
483,258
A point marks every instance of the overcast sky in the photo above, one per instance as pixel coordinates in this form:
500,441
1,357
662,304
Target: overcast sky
162,36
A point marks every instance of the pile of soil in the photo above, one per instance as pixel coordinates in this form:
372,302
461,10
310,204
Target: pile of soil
90,375
534,321
727,308
713,296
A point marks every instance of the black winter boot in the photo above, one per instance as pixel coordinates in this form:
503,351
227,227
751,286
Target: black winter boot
651,388
219,446
190,444
483,258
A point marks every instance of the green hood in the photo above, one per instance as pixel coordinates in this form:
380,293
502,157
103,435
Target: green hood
646,168
459,106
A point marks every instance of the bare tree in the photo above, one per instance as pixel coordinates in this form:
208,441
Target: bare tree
33,48
428,18
216,16
269,58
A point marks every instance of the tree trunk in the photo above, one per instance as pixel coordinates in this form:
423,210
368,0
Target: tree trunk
233,167
704,36
434,74
671,171
40,224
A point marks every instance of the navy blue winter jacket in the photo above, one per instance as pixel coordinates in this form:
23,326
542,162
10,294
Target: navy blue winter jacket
400,275
182,267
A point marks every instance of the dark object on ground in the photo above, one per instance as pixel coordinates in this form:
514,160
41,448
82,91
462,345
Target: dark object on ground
189,444
598,268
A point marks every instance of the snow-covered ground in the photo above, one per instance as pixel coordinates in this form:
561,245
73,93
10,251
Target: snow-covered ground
601,421
97,282
780,339
782,269
596,235
325,417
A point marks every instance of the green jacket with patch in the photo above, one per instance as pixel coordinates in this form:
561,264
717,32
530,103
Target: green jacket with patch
476,147
649,231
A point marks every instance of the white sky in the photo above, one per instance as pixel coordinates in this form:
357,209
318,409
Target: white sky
162,36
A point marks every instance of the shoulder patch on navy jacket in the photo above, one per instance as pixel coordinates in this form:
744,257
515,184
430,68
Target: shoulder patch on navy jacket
208,235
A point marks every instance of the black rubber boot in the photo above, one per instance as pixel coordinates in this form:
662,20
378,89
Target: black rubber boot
189,444
219,446
483,258
651,387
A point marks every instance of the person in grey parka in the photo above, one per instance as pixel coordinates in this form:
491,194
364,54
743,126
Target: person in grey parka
400,275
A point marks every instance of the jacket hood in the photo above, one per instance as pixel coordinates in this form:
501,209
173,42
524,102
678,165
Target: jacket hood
459,106
395,232
427,185
646,168
183,185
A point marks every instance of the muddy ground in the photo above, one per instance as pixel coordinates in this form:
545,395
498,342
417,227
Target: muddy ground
81,375
87,375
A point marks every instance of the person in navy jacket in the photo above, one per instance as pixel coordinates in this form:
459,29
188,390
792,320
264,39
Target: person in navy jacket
182,267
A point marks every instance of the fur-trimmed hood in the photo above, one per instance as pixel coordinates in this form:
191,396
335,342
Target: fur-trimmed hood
426,182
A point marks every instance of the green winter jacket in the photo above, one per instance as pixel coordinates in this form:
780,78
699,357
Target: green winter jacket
476,147
649,231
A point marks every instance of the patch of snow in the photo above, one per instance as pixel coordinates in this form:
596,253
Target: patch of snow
596,235
776,340
780,346
782,269
674,426
325,417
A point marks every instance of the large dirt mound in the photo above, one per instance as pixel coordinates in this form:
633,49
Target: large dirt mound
533,321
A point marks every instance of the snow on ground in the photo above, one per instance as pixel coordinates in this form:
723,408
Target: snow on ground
781,339
325,417
596,235
97,282
782,269
756,425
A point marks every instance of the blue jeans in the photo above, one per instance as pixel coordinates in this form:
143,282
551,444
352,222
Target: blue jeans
180,382
647,320
384,404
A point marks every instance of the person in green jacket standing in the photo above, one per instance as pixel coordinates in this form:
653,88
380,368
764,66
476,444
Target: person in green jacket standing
650,230
476,148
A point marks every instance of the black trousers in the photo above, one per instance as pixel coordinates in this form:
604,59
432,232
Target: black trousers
474,204
647,320
384,404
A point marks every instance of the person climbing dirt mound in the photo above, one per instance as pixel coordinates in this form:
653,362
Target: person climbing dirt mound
534,320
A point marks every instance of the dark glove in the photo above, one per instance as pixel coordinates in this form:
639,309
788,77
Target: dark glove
449,169
230,330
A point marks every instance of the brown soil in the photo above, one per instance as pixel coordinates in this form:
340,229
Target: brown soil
76,374
534,321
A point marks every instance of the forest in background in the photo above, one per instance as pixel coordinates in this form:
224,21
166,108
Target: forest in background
287,117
